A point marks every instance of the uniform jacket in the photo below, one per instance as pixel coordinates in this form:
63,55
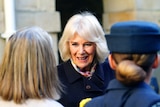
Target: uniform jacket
118,95
78,87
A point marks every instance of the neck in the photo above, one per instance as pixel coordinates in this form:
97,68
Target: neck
148,77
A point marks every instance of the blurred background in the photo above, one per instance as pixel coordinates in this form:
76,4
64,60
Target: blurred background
52,16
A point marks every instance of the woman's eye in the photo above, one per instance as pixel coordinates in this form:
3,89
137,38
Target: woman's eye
74,44
88,44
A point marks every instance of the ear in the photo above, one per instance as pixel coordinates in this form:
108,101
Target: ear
156,62
112,62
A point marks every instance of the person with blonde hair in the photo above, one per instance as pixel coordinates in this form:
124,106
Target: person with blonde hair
28,73
83,49
134,47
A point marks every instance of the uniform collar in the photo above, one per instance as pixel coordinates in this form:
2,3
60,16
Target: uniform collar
115,84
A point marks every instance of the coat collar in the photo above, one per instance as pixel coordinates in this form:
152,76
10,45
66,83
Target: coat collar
73,75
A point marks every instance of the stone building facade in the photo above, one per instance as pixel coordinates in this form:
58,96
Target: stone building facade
121,10
32,13
43,13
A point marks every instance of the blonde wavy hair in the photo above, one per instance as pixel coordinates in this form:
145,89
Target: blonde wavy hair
28,68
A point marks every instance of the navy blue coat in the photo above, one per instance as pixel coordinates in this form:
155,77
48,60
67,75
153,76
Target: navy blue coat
118,95
78,87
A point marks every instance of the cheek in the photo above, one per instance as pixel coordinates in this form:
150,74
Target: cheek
92,51
72,50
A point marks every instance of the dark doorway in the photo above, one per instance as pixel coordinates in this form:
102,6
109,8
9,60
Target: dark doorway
67,8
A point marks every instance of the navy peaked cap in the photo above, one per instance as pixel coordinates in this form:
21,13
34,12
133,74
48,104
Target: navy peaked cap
134,37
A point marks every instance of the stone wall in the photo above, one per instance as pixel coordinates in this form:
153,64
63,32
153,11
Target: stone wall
2,41
1,17
35,13
121,10
118,10
148,10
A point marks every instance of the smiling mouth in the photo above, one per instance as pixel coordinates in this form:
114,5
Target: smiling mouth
82,58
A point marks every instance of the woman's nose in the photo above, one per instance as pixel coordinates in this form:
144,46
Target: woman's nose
81,50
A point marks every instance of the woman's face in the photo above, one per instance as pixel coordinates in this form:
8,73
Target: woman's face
82,51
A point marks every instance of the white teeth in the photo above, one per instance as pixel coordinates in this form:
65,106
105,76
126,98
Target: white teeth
81,58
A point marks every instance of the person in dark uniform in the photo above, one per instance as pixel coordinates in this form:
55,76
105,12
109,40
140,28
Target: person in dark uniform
83,49
134,46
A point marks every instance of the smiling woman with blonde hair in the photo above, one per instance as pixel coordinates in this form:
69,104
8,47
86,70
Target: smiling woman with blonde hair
83,49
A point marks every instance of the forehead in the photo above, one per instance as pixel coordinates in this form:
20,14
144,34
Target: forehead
77,38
